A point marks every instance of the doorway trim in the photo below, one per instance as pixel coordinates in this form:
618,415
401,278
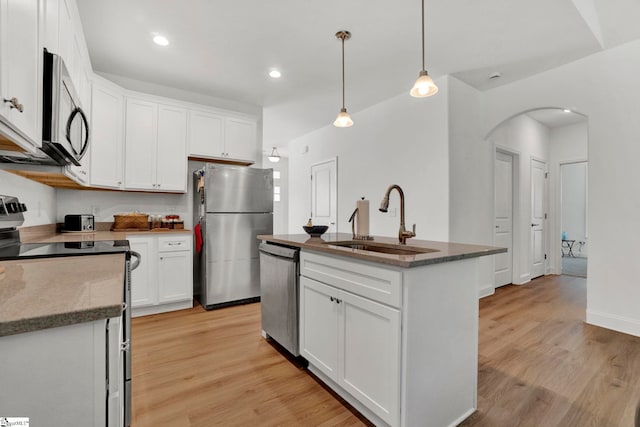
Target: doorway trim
557,225
333,194
517,234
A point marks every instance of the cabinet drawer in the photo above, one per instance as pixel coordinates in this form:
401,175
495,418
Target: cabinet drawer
379,284
174,243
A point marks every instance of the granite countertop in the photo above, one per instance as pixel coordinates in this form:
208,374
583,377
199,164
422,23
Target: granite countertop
444,251
50,292
48,234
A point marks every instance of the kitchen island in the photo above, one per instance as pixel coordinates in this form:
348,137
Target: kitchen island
393,329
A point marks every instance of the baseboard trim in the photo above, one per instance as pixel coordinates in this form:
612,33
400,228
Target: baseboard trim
486,291
626,325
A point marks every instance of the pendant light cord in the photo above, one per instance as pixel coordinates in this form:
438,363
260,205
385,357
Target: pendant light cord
423,68
342,72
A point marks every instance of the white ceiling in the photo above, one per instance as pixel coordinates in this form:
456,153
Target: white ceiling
226,48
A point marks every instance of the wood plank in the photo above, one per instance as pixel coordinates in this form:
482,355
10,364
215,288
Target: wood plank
539,365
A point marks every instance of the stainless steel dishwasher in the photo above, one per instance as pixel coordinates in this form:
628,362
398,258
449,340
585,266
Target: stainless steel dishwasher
279,294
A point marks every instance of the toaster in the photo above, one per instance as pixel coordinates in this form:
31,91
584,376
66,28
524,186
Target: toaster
79,223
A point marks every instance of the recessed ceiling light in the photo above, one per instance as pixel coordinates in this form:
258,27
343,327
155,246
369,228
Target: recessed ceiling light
566,110
160,40
275,74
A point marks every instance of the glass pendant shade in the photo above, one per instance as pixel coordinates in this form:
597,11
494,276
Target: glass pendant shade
343,120
424,86
274,157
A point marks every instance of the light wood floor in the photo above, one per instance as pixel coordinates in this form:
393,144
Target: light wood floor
539,365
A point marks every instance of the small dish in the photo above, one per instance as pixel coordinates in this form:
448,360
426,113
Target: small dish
315,230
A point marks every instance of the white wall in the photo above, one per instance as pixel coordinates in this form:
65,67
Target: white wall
40,199
403,141
603,87
574,205
104,204
567,144
471,184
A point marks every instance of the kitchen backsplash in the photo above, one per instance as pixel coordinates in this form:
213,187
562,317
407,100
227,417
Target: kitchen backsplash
104,204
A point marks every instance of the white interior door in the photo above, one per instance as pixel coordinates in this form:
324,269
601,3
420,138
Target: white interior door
324,194
503,233
538,262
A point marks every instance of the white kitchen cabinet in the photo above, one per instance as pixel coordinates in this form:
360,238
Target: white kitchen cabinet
141,127
355,342
174,269
398,344
240,139
155,146
319,326
143,278
58,376
107,134
171,166
20,71
213,135
206,134
164,280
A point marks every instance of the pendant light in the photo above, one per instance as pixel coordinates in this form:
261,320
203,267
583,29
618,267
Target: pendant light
274,157
343,120
424,86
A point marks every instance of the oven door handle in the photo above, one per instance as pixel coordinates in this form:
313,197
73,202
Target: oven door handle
138,260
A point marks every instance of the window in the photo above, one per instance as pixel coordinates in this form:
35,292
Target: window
276,193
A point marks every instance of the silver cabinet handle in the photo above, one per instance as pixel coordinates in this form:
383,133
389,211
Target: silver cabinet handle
14,103
535,225
331,299
119,182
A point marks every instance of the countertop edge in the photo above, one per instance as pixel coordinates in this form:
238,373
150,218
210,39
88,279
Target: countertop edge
32,324
320,245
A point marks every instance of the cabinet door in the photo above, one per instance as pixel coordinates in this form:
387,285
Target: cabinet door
206,134
141,126
369,354
143,278
240,139
171,166
319,326
20,59
174,281
107,110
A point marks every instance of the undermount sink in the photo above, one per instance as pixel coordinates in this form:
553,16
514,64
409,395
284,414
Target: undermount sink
385,248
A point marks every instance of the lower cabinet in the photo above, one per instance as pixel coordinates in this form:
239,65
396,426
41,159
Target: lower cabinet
355,342
399,344
164,280
65,376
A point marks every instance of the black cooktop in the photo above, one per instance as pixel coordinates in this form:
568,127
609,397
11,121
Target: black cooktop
60,249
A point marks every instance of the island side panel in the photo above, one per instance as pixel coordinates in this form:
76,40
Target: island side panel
440,344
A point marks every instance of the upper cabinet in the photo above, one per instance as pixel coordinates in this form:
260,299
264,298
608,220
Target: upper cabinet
206,136
217,136
107,134
240,138
20,70
155,146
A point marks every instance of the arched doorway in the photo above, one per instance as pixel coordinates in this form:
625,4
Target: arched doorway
536,142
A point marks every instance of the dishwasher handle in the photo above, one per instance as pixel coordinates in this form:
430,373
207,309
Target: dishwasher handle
280,251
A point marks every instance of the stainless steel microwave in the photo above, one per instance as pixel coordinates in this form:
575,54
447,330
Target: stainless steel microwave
65,128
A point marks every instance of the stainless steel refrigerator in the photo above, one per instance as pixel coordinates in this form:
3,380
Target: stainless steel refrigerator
232,205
